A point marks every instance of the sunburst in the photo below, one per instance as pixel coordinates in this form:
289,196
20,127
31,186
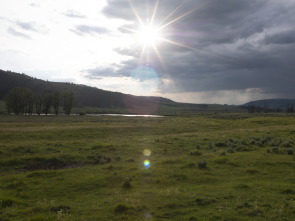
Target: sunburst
150,35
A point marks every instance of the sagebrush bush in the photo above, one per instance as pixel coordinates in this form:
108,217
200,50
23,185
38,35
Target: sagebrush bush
202,164
230,150
121,208
220,144
4,203
290,151
223,153
127,183
196,153
275,149
241,148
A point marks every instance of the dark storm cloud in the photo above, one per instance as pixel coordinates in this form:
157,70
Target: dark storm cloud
229,44
92,30
284,37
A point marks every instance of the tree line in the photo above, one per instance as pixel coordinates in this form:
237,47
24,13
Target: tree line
23,101
288,108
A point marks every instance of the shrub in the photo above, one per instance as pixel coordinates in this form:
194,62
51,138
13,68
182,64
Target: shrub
220,144
202,164
204,201
290,151
127,183
287,143
223,153
64,209
288,191
99,159
121,208
275,149
6,202
196,153
198,146
230,150
210,145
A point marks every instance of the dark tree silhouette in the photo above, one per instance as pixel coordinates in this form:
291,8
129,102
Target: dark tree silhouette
38,104
20,101
68,102
47,103
55,102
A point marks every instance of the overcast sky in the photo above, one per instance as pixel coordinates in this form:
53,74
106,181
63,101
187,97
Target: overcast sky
204,51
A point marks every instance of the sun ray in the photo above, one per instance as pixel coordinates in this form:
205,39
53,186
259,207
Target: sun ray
142,53
183,15
195,49
160,58
136,13
179,44
176,19
173,11
154,13
129,29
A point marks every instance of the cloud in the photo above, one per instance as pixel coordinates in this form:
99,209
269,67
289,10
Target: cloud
118,9
229,45
91,30
124,68
283,37
98,72
13,32
28,26
34,5
74,14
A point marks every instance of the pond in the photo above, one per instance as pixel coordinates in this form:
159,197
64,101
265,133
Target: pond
125,115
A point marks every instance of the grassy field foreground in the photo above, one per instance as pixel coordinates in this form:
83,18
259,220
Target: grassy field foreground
214,167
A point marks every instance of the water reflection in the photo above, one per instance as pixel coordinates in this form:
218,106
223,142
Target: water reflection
125,115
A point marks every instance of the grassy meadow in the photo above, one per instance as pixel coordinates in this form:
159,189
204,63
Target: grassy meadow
202,167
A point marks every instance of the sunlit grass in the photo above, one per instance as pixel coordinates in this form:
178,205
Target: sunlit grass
94,168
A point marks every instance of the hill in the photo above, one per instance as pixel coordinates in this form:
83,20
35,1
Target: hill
277,105
93,99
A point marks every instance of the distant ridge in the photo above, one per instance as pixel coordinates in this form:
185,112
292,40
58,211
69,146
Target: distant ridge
272,104
84,96
94,100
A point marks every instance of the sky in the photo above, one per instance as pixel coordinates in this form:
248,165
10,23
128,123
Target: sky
196,51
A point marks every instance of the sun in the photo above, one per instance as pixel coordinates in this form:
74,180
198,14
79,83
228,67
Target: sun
149,31
149,35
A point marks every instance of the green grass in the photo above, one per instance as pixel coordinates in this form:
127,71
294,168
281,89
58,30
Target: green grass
92,168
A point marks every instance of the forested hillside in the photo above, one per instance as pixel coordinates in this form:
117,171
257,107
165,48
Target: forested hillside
106,101
271,105
84,96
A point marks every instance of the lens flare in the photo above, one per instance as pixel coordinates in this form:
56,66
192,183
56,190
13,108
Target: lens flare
146,164
147,152
145,73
